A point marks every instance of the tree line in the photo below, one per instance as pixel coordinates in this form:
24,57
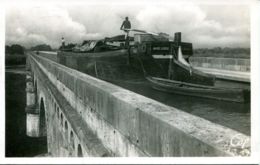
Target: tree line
14,49
219,50
17,49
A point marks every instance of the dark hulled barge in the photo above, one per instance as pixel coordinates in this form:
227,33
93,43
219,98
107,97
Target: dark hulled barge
161,60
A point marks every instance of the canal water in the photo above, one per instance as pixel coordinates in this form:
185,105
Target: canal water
17,144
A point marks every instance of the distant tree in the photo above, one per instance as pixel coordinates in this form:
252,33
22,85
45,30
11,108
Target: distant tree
42,47
216,50
7,49
223,52
14,49
226,50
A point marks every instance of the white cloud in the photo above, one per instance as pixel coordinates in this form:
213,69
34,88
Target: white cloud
42,25
204,26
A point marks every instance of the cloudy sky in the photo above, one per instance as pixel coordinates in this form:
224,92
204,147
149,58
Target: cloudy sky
204,25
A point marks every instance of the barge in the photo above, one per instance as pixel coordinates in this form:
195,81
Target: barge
161,60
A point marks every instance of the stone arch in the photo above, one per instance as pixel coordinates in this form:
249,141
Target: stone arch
43,105
42,122
43,131
66,130
80,153
72,140
61,119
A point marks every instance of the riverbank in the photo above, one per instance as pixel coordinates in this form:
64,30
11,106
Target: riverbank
14,60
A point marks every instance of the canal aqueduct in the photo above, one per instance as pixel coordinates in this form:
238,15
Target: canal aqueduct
85,116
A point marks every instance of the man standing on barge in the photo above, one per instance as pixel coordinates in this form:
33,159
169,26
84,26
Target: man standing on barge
126,26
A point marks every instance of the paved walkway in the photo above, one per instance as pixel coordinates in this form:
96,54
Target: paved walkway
227,74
